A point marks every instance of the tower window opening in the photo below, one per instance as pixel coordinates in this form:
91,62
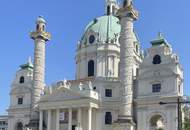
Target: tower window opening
21,81
43,27
124,3
108,118
113,10
156,59
37,27
90,68
108,10
20,101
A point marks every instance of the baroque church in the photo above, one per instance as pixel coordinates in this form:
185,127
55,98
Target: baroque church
118,86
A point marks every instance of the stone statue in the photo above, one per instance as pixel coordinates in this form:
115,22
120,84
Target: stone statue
80,86
127,3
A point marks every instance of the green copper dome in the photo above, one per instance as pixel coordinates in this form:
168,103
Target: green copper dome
105,29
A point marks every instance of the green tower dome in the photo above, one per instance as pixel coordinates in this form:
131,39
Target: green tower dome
104,29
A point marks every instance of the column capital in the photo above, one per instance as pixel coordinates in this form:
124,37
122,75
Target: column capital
128,10
40,32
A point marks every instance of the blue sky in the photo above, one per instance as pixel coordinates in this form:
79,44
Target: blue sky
67,20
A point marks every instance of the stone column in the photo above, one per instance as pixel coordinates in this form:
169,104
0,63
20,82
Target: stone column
40,37
79,118
126,67
49,120
127,61
57,119
70,119
41,120
89,118
39,69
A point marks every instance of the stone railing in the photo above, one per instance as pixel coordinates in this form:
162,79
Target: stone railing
85,90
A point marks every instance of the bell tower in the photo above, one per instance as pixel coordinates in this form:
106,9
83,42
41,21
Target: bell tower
40,37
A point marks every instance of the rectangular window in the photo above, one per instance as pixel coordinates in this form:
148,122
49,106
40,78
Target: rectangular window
108,92
73,127
156,88
108,118
20,101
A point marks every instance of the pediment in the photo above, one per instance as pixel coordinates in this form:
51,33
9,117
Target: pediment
62,94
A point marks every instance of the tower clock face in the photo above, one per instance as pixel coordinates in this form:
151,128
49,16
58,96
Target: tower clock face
91,39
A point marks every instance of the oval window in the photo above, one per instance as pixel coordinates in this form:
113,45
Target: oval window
156,59
91,39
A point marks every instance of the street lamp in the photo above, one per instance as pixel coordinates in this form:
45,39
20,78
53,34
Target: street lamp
178,108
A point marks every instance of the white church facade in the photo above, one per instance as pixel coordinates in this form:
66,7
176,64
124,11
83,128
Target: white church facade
117,86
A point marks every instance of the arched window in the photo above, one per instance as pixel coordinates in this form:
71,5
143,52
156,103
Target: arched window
108,10
90,68
156,59
113,9
43,27
179,88
119,66
19,126
124,3
37,27
137,49
108,118
157,122
21,80
137,72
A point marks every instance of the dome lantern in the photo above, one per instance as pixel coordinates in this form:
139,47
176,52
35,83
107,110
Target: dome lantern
111,7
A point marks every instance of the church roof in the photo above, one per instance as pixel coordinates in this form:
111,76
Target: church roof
105,27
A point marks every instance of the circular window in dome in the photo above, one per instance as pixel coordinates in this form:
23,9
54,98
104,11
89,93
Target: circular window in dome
91,39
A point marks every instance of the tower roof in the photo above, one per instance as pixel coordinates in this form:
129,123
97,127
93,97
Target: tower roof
114,1
40,19
159,40
28,65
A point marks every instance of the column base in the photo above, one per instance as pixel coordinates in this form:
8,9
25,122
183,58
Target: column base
33,125
78,128
124,124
